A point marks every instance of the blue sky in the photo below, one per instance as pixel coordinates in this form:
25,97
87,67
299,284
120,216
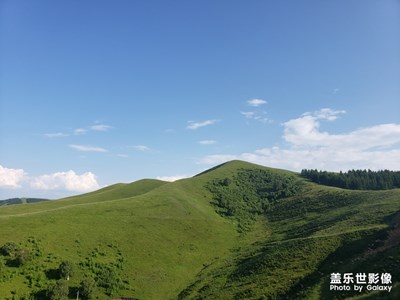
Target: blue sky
98,92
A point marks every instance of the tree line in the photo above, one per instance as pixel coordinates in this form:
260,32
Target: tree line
355,179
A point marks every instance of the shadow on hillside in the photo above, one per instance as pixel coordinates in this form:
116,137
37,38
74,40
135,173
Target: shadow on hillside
346,259
40,295
52,274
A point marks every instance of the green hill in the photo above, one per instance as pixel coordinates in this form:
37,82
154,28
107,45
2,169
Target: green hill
13,201
237,231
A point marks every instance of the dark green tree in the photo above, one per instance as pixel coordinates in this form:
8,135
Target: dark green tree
58,290
87,287
108,278
66,269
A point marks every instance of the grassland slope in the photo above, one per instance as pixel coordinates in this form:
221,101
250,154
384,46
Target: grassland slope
237,231
110,193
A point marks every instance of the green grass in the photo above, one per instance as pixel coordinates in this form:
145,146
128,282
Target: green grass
168,240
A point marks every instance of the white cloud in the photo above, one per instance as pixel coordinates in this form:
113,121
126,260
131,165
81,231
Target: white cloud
11,178
207,142
100,127
87,148
123,155
256,102
142,148
172,178
69,181
195,125
56,134
304,132
80,131
308,147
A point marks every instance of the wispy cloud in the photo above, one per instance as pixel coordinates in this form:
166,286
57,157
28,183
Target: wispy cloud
95,127
85,148
248,114
260,116
256,102
80,131
195,125
55,135
100,127
256,114
123,155
375,147
141,148
207,142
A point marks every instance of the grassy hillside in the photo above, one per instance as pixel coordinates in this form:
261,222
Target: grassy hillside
237,231
315,232
160,236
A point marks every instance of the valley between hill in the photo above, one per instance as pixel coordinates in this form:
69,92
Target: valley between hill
237,231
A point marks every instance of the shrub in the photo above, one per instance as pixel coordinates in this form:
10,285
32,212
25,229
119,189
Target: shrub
22,256
9,249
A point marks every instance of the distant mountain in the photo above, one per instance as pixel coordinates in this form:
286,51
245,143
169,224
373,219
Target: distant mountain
236,231
13,201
